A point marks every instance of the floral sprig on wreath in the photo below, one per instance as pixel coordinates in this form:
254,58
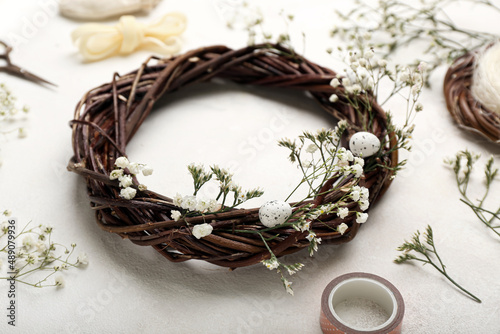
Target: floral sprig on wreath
364,75
395,24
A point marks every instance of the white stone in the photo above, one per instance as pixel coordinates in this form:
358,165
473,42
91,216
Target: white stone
364,144
274,213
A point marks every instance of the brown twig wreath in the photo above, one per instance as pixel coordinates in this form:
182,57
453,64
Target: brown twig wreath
107,118
469,114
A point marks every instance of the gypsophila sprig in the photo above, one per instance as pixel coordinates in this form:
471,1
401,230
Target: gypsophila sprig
125,172
395,24
230,194
11,114
463,165
411,249
37,256
365,72
320,159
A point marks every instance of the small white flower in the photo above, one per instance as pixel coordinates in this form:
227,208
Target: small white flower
28,242
271,264
361,217
415,89
335,82
83,259
364,193
202,205
363,205
333,98
422,66
311,236
213,206
359,161
311,148
189,203
59,282
342,212
306,164
354,89
369,54
7,213
146,170
32,259
357,170
178,200
288,286
128,193
355,193
142,187
176,215
202,230
342,228
122,162
41,247
382,63
134,168
116,174
125,181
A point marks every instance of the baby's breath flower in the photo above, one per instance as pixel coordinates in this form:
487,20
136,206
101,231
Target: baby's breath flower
122,162
189,203
59,282
178,200
311,148
176,215
28,242
83,259
142,187
202,230
7,213
128,193
342,212
361,217
146,170
363,205
134,168
335,82
342,228
333,98
125,181
116,174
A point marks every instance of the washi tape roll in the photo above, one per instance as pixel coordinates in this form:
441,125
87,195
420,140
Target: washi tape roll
361,303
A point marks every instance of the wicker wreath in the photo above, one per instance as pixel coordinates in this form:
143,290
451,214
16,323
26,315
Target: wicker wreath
465,110
108,116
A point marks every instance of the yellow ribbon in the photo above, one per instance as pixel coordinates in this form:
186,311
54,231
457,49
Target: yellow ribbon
97,41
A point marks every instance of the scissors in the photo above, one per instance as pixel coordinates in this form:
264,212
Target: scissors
16,70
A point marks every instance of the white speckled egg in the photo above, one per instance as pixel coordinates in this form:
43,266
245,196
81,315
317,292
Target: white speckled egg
274,213
364,144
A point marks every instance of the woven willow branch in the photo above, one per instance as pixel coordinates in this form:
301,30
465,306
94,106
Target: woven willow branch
469,114
108,116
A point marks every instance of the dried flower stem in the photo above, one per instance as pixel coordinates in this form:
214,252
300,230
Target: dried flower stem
417,246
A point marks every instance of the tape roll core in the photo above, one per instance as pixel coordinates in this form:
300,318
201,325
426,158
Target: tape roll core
365,286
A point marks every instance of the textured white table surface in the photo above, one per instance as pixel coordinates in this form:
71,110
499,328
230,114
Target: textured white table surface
132,289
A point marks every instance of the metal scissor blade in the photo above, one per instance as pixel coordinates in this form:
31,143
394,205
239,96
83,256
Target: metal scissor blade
16,70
